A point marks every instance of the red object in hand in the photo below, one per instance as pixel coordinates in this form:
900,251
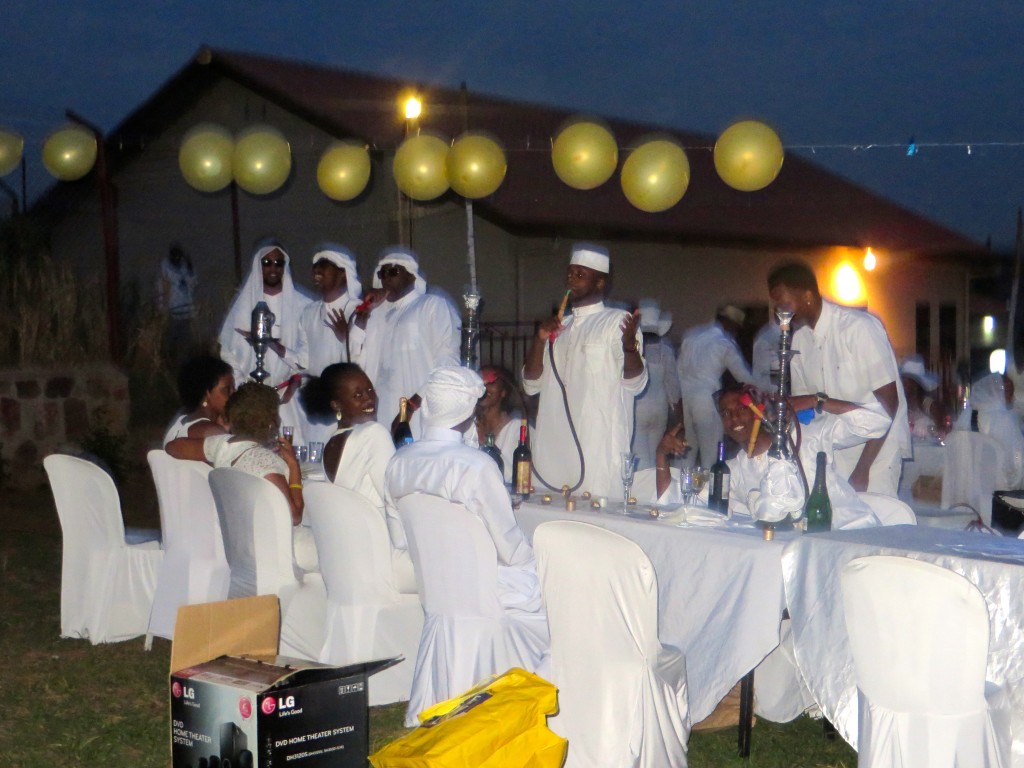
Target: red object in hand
364,305
295,378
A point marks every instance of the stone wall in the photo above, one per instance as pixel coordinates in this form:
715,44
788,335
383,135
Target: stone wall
43,409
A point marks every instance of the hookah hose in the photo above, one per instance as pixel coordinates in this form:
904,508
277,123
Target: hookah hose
568,413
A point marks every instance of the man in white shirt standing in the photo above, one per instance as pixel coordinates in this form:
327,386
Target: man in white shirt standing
589,391
269,280
404,334
845,353
324,323
706,352
661,396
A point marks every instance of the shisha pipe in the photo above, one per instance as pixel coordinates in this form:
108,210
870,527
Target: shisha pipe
780,442
259,334
747,401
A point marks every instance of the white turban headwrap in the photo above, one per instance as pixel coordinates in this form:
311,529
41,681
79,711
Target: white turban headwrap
590,255
450,396
403,257
342,258
729,312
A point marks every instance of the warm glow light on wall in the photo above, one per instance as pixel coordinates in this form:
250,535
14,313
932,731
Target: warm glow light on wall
847,285
869,260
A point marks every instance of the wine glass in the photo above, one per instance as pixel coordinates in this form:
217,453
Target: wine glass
698,479
628,468
686,485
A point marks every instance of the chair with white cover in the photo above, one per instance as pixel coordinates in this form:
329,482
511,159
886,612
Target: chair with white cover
107,583
194,569
975,467
621,693
257,528
467,634
919,637
367,617
645,487
888,509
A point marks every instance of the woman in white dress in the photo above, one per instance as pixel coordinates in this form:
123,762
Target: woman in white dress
204,386
498,413
359,451
253,447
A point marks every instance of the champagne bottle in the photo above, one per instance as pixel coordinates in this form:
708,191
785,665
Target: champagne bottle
522,465
818,511
718,496
402,434
493,451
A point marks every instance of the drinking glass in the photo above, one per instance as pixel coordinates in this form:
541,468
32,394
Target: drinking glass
686,485
316,451
699,479
288,432
302,453
628,468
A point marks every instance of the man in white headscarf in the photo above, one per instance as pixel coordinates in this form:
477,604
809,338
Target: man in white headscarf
598,357
661,397
706,352
992,398
440,464
324,324
269,280
404,334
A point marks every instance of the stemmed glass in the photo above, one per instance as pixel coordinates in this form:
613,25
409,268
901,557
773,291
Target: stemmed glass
628,468
686,492
698,479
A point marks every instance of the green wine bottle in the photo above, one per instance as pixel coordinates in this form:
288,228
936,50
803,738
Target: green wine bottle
818,511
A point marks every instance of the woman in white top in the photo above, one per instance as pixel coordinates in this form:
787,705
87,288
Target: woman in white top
498,413
204,386
359,451
252,412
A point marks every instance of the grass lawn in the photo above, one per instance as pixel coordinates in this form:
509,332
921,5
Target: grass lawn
69,703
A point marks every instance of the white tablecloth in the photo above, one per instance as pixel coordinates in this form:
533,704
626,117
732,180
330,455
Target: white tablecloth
811,567
719,591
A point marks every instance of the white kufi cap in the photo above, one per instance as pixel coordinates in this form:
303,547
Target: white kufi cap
450,396
590,255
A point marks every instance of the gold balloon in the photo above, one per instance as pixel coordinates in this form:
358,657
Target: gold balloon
748,155
655,175
69,153
205,157
476,165
419,167
262,160
585,155
11,147
344,170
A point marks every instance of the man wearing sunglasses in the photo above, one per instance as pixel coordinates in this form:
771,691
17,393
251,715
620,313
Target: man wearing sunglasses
269,280
401,333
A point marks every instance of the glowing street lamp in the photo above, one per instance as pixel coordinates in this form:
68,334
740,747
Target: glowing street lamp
870,261
412,108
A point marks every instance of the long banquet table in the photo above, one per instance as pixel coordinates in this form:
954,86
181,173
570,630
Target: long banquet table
811,568
720,592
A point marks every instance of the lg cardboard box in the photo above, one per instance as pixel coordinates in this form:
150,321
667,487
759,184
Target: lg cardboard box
260,710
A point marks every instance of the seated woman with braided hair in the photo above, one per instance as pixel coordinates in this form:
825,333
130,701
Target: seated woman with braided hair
253,447
836,424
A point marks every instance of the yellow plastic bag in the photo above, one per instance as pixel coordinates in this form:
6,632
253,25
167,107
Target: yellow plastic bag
501,723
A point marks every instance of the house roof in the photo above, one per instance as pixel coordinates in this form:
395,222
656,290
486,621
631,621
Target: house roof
805,206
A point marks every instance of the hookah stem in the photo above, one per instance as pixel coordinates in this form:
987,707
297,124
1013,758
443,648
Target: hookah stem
565,402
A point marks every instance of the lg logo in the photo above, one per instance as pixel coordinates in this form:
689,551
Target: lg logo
282,702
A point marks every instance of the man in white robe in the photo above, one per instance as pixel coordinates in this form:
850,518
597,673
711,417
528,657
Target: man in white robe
440,464
598,356
661,396
706,352
269,280
845,353
324,323
403,335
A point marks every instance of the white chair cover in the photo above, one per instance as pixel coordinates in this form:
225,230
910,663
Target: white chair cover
467,635
621,694
107,585
888,509
367,617
194,569
919,637
257,528
645,486
975,467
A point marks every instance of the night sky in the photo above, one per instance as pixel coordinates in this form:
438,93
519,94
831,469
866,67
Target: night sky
832,78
